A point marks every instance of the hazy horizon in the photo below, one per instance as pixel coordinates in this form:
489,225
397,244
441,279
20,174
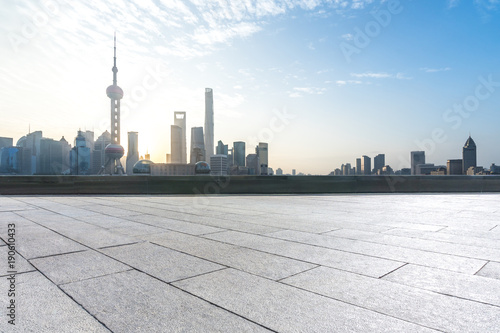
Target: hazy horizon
358,77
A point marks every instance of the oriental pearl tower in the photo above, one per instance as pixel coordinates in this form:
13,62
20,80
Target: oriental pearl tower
114,151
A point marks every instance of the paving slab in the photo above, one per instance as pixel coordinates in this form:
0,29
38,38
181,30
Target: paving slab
446,237
163,263
175,225
135,302
91,235
72,267
42,307
287,309
491,270
440,312
348,261
259,263
469,251
472,287
398,253
36,241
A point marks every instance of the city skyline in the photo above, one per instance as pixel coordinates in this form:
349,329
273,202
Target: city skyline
377,77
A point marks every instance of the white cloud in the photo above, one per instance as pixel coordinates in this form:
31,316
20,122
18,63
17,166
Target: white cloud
434,70
342,83
299,91
382,75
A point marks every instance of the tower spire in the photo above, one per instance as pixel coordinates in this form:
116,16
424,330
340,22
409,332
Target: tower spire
115,69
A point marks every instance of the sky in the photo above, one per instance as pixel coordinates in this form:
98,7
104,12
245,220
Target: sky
322,81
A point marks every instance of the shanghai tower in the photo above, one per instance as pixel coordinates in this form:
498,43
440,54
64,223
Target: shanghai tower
209,123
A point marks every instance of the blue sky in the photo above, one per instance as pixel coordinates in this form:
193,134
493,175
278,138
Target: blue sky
323,82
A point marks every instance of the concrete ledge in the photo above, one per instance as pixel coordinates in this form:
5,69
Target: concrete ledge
10,185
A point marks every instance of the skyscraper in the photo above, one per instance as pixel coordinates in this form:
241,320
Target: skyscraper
6,142
54,156
180,120
239,153
366,165
114,151
378,162
469,155
209,123
218,165
98,155
197,151
80,156
175,144
221,148
133,151
358,166
253,164
262,152
417,157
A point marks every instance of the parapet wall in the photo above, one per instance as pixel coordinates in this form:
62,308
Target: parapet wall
10,185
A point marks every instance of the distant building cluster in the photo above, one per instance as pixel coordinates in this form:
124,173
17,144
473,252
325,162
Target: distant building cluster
35,155
465,166
203,155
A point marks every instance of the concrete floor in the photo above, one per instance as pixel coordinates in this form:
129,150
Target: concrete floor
322,263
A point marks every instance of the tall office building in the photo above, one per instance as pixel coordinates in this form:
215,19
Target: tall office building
417,157
80,156
180,120
454,167
89,139
378,162
346,169
221,148
133,151
218,165
99,155
175,144
54,157
30,153
366,165
469,155
209,123
197,152
358,166
239,153
6,142
262,152
253,164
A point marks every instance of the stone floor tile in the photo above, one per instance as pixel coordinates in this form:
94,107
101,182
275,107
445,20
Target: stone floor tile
135,302
397,253
259,263
348,261
163,263
491,270
287,309
43,308
440,312
77,266
472,287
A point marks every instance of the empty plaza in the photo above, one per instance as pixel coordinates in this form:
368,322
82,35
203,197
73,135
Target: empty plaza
250,263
